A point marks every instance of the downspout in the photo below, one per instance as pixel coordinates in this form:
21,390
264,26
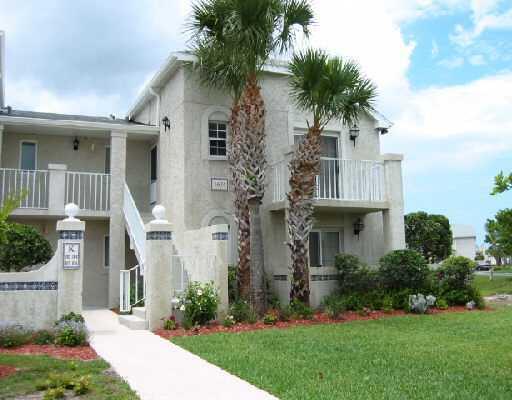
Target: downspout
157,96
2,69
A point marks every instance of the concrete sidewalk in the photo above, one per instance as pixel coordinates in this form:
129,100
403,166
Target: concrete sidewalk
159,370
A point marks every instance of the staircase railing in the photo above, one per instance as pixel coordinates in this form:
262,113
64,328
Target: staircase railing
134,226
132,288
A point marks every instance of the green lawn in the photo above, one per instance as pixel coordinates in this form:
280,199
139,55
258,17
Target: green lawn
448,356
34,369
499,284
504,268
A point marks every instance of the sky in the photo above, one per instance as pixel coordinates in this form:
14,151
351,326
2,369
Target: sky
443,70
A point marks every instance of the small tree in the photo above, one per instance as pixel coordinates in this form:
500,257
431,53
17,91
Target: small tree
499,235
429,234
502,183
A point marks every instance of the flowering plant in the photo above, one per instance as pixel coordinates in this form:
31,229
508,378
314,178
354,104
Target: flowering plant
199,303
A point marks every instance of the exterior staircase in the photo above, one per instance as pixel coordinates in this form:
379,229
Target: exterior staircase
136,320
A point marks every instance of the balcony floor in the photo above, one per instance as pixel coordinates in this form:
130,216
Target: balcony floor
349,206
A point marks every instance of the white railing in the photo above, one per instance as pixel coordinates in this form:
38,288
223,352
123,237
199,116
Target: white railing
90,191
132,288
33,183
134,225
356,180
188,268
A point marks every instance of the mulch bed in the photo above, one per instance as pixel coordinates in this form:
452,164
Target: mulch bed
318,318
6,370
84,353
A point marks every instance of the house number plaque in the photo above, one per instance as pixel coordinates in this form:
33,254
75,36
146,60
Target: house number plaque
219,184
71,255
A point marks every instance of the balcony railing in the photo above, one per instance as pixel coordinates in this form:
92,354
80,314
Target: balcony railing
355,180
34,184
90,191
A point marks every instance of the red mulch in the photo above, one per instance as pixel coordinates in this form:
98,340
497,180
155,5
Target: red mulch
319,318
84,353
6,370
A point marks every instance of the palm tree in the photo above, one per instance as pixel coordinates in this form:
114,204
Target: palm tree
242,35
328,88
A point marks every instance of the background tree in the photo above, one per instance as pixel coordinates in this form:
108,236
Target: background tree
328,88
429,234
247,33
499,235
502,183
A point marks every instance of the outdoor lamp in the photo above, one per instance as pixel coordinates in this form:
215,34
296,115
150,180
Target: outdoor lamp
167,123
358,226
76,143
354,133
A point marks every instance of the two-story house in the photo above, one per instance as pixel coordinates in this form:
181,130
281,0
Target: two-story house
171,149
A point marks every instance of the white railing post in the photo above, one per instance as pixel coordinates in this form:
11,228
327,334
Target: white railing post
57,188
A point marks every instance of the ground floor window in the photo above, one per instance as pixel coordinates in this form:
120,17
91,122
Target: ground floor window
106,251
323,247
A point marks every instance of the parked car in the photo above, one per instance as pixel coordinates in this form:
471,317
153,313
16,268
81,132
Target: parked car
483,267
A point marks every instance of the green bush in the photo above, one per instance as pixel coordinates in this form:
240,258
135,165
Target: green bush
334,306
240,310
271,317
13,335
455,277
300,310
442,304
229,321
400,299
354,276
170,323
71,317
232,284
44,337
70,333
200,303
404,269
23,246
387,304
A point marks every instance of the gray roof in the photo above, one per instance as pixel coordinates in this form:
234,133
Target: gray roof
65,117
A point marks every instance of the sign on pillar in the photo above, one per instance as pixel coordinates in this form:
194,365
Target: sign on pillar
71,262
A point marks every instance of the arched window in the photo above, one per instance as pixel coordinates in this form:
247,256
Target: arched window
215,133
219,220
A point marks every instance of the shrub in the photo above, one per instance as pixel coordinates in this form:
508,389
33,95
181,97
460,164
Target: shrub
400,299
23,246
200,303
71,317
44,337
232,284
334,306
420,304
456,273
442,304
404,269
240,310
271,317
301,310
170,323
13,335
285,313
353,275
229,321
70,333
387,304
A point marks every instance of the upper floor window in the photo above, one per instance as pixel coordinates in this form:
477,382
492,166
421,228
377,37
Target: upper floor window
328,142
28,155
217,138
107,160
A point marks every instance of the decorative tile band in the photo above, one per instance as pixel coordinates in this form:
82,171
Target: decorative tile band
220,236
166,235
74,235
37,285
324,277
280,277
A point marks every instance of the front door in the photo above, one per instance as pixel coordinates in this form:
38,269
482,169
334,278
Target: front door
328,181
153,172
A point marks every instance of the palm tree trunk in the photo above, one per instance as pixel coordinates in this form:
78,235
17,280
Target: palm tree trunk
253,164
304,167
241,207
258,292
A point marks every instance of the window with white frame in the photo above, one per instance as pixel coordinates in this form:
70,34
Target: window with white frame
217,138
28,155
323,247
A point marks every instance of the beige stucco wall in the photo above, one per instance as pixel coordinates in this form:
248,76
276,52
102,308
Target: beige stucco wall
465,246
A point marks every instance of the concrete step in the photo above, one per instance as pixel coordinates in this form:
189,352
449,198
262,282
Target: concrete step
133,322
139,312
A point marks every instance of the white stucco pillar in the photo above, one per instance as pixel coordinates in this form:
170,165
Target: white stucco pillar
393,217
117,228
220,238
1,142
57,188
70,250
157,268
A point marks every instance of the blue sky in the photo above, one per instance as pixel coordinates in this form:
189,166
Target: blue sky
443,69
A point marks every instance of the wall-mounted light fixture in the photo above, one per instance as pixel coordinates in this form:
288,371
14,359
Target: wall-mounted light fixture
76,143
358,227
354,133
166,122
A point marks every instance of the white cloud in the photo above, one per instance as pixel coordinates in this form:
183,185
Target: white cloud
452,63
477,60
